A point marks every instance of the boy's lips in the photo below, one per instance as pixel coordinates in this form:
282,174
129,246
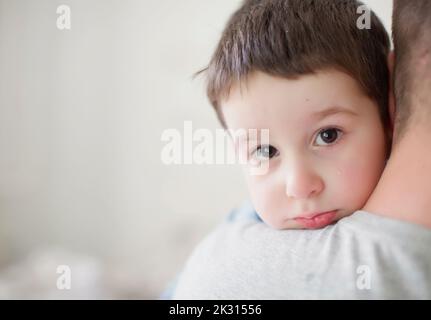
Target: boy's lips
317,220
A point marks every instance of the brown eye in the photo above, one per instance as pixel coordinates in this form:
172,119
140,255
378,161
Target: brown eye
265,152
328,136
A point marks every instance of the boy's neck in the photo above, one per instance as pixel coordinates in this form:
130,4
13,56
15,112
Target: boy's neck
404,190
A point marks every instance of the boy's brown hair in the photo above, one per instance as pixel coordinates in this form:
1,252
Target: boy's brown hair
290,38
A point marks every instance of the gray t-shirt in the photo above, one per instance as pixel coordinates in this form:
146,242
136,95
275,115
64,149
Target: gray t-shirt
363,256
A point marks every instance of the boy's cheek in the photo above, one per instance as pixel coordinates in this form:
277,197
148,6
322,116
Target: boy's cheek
356,182
265,199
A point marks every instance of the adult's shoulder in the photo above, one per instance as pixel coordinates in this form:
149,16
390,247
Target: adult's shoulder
245,259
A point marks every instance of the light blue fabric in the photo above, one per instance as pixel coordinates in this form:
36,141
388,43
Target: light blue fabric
244,212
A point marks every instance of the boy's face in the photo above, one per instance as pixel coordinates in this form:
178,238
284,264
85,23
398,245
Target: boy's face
326,148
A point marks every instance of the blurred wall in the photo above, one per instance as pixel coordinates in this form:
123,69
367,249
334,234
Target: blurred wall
81,116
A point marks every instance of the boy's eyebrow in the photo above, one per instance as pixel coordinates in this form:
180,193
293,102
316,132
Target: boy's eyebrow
319,115
245,138
331,111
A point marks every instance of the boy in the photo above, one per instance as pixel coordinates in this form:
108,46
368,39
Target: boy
305,71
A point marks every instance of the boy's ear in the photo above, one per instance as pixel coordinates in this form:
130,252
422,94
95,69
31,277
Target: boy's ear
391,100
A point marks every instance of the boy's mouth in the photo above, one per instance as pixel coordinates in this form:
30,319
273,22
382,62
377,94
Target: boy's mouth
316,220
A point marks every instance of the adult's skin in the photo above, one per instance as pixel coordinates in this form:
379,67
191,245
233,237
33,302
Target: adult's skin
403,192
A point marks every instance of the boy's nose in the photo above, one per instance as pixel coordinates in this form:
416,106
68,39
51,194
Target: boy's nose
303,183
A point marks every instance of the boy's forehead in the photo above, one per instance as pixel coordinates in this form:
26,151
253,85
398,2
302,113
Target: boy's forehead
260,88
265,99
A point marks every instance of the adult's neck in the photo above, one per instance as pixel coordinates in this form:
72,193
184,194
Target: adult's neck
404,190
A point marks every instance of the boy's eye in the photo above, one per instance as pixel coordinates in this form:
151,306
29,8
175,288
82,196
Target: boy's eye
265,152
328,136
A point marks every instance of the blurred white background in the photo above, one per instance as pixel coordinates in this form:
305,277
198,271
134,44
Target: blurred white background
81,116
